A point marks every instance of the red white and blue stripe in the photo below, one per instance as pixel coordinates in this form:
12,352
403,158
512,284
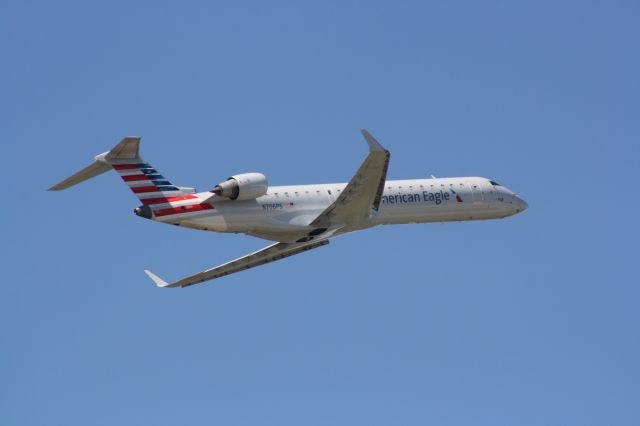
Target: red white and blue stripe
154,190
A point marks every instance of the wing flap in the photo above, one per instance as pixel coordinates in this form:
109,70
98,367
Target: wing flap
268,254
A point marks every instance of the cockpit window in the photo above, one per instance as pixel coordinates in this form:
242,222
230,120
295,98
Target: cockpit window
494,183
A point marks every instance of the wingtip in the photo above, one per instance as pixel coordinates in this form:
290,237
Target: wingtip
374,145
156,279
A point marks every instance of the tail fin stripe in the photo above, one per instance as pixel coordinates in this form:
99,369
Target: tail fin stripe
130,172
183,209
129,166
158,194
139,183
135,169
135,177
167,188
163,200
143,189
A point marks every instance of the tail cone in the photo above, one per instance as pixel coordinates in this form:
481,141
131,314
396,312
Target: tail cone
143,211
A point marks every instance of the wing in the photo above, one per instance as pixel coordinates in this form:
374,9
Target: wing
363,193
268,254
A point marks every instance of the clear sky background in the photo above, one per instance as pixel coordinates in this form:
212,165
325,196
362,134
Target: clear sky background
531,320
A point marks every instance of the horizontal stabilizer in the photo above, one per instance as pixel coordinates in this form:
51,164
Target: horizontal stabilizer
126,151
93,170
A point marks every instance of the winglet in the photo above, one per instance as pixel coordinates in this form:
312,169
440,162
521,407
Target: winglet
156,279
374,145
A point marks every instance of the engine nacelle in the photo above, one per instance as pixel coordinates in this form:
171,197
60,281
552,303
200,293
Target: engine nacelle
245,186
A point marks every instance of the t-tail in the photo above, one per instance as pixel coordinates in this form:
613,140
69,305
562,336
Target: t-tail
151,188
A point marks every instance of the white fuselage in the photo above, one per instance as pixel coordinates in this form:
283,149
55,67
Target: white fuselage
301,217
290,209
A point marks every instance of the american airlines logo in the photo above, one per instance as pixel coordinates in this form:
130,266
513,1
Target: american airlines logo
437,197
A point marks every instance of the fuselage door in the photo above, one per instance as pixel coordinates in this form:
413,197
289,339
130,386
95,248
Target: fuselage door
476,191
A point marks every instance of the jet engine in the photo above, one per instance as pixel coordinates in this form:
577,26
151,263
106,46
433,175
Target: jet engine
245,186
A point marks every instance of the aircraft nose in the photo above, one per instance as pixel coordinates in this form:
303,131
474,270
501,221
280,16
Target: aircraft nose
522,204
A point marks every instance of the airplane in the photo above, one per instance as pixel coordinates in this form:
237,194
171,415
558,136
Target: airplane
297,218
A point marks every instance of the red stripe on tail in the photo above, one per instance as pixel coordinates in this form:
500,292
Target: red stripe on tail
142,189
125,166
183,209
148,201
132,178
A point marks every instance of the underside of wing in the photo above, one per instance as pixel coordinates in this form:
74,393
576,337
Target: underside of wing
363,193
268,254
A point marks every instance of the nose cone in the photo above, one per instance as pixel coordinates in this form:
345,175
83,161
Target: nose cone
521,204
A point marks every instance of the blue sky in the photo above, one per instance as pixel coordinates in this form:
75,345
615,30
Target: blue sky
532,320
